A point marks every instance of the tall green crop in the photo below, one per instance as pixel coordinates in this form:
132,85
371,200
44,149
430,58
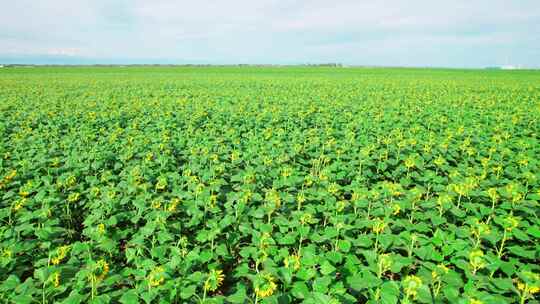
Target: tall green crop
269,185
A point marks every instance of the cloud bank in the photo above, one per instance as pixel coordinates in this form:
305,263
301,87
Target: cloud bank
405,33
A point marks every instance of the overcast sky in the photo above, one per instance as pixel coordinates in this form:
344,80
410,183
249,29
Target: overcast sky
457,33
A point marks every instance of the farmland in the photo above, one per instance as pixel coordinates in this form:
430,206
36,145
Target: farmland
269,185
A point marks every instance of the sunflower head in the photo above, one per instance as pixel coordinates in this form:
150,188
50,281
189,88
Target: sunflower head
528,283
476,259
511,222
173,204
264,285
396,208
214,280
101,228
410,162
378,226
480,229
156,277
292,261
101,269
55,279
440,161
439,271
73,197
10,175
411,284
384,263
19,204
493,194
61,253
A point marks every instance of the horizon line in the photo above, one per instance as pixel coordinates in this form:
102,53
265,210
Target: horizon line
322,65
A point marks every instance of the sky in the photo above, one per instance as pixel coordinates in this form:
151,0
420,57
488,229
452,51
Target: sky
457,33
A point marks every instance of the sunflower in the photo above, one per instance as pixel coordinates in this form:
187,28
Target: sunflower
73,197
11,175
476,259
292,261
492,193
511,222
101,228
173,204
101,269
264,285
19,204
396,209
55,278
384,263
60,255
156,277
411,284
214,280
161,183
378,226
528,284
438,271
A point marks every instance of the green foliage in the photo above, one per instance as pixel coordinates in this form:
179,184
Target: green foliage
269,185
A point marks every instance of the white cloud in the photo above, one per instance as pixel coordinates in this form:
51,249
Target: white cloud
270,30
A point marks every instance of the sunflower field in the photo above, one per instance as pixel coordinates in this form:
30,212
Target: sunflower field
269,185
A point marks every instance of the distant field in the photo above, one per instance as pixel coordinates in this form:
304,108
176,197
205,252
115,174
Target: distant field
269,185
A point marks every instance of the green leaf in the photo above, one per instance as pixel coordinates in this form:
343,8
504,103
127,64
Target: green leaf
327,268
287,239
362,281
508,268
10,283
389,293
424,295
520,235
23,299
74,298
503,284
309,258
363,241
519,251
356,282
321,284
239,296
286,274
42,274
306,273
534,231
334,257
188,291
129,296
300,290
318,297
344,245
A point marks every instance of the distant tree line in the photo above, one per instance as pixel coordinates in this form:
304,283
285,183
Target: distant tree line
174,65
